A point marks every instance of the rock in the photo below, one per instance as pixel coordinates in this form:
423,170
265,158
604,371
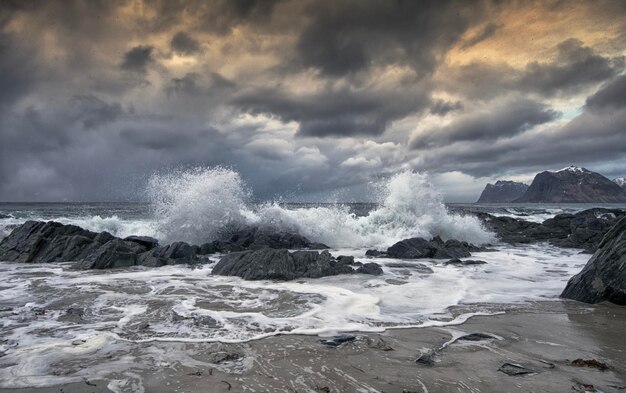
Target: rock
426,359
375,253
467,262
338,340
418,247
146,241
223,357
254,238
43,242
3,216
582,230
572,185
421,268
370,268
113,254
503,191
273,264
591,363
172,254
476,337
515,369
348,260
604,276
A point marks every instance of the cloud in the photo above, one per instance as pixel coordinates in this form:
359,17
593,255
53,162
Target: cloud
184,44
312,96
138,58
501,119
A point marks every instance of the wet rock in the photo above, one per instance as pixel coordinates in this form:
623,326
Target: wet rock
379,344
338,340
604,277
591,363
466,262
43,242
146,241
3,216
513,369
273,264
347,259
476,337
115,253
370,268
254,238
418,247
426,359
375,253
583,230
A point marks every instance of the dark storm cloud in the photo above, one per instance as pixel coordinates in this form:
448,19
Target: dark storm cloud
314,95
335,113
574,67
184,44
503,119
596,135
611,97
346,37
138,58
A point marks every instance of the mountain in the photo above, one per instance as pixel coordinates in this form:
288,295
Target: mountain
573,185
620,181
501,192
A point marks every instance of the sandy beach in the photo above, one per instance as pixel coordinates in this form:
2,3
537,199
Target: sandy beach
542,337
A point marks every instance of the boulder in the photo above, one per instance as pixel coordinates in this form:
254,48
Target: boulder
254,238
583,230
3,216
113,254
418,247
43,242
604,277
280,264
370,268
467,262
146,241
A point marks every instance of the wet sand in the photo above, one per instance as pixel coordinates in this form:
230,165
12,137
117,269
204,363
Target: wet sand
543,337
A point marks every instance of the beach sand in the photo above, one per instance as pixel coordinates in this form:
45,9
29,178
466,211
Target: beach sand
542,337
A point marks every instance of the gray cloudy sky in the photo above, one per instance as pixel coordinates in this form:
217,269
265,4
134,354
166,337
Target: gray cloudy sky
306,99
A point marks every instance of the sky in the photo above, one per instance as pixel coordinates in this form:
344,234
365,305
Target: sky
307,100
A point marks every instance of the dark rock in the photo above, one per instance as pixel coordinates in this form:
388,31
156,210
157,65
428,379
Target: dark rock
475,337
208,248
572,185
113,254
604,276
582,230
375,253
43,242
348,260
467,262
418,247
254,238
146,241
591,363
515,369
172,254
273,264
370,268
338,340
3,216
503,191
426,359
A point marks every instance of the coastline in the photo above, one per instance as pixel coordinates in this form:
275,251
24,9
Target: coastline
544,337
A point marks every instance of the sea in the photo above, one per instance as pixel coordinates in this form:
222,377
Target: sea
51,314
